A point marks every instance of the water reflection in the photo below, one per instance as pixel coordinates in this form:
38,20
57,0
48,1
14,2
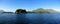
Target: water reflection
21,19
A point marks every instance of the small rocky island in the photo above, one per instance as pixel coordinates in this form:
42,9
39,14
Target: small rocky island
20,11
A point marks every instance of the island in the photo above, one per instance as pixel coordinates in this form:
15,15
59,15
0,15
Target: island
20,11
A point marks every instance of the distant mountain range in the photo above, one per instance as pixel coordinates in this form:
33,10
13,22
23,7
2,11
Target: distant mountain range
4,12
1,11
41,10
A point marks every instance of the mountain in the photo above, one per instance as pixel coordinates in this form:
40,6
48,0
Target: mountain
41,10
52,11
1,11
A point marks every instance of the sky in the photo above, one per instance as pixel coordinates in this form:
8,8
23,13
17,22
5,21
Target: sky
29,5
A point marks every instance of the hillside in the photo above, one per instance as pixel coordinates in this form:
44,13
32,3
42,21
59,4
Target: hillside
41,10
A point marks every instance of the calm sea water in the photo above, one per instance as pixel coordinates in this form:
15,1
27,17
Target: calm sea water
29,18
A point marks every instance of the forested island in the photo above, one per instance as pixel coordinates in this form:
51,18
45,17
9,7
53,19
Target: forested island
36,11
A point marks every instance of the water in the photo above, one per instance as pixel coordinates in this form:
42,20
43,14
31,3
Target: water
29,18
